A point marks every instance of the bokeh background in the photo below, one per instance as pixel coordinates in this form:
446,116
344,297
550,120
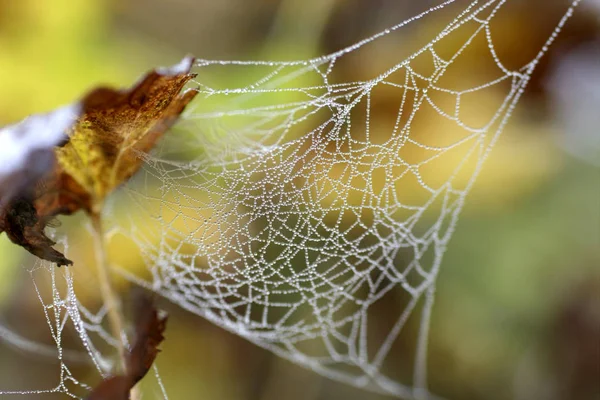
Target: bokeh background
518,308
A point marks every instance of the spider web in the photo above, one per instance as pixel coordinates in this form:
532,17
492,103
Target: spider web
293,211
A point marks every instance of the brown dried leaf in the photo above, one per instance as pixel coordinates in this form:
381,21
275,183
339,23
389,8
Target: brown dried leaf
118,127
27,149
148,336
26,158
114,129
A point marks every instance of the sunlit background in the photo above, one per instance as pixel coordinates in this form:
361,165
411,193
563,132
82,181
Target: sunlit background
518,308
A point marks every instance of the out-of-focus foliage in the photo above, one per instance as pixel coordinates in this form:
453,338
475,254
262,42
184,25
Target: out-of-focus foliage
529,233
53,51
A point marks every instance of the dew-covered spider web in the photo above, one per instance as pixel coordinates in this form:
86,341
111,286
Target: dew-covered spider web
309,212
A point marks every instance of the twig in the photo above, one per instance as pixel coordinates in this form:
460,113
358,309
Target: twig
115,315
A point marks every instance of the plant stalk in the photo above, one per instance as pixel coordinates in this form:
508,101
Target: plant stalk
109,297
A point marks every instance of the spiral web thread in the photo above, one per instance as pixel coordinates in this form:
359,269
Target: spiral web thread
63,310
289,211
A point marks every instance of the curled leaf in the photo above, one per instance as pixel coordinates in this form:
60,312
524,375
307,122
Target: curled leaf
149,330
27,149
119,126
26,159
72,158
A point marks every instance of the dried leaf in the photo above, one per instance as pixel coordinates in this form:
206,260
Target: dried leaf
148,336
118,127
27,149
107,136
26,158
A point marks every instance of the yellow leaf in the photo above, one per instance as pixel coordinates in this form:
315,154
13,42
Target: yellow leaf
107,145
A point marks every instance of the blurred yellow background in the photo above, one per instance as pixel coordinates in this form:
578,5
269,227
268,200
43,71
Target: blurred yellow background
517,299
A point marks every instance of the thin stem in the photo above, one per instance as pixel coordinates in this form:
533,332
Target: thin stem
115,316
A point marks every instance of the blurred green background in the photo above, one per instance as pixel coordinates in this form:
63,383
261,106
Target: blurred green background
518,308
